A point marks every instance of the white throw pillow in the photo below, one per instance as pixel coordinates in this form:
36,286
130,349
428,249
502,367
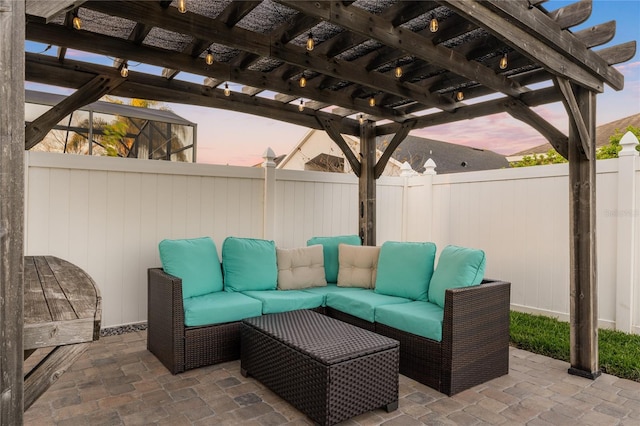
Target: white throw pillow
300,268
357,265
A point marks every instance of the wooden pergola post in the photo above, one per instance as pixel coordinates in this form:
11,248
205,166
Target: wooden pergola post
583,275
367,184
12,24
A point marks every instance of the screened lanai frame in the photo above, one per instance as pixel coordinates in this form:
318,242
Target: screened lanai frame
152,134
351,88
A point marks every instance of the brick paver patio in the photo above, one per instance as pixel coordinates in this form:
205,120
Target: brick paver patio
118,382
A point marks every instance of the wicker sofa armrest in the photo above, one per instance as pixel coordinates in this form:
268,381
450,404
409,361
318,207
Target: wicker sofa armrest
475,334
166,330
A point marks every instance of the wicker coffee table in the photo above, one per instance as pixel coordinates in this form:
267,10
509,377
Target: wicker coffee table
328,369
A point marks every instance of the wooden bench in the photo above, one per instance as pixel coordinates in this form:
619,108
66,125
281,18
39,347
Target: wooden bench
62,312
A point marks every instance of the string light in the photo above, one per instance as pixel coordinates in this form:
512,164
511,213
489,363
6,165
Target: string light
303,81
361,119
227,91
372,101
208,59
182,6
124,71
310,43
77,22
433,25
398,71
301,106
504,62
460,95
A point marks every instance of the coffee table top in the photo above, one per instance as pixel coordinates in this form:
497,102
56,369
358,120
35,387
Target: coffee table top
324,339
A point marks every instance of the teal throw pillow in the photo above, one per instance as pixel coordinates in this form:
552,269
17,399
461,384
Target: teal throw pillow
249,264
457,267
195,261
330,251
405,269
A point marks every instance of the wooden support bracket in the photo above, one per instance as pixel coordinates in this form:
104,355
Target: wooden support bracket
329,126
521,111
90,92
571,105
400,135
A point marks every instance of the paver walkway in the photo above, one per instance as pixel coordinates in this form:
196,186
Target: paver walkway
118,382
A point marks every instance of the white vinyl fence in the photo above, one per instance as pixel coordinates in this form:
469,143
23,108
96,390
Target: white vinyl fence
107,216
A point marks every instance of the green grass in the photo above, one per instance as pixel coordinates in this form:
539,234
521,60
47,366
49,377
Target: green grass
618,352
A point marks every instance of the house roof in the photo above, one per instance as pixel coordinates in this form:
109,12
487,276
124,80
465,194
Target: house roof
603,133
449,157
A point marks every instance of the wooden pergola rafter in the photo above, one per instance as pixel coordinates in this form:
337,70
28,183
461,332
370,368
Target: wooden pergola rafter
351,85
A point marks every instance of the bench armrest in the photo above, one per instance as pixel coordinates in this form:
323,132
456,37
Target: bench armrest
165,313
475,329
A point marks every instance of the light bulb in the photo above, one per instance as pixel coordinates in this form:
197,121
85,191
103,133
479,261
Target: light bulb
303,82
504,62
77,22
209,58
124,71
372,101
460,95
310,43
227,91
361,119
182,6
301,106
433,25
398,71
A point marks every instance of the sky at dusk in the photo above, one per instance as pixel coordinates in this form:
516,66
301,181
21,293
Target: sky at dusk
226,137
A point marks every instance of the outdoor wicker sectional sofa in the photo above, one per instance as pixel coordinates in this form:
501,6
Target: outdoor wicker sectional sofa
452,324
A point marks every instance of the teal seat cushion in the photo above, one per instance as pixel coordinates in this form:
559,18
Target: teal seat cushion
195,261
249,264
219,307
405,269
457,267
329,288
419,318
275,301
361,303
330,251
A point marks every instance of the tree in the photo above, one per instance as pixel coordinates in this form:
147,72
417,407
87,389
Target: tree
551,157
611,150
607,151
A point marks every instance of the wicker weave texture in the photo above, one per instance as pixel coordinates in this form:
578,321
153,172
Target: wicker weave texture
350,319
328,386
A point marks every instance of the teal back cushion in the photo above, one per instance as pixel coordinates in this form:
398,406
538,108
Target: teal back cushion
457,267
195,261
249,264
405,269
330,251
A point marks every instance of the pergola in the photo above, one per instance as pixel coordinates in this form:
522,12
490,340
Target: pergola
362,68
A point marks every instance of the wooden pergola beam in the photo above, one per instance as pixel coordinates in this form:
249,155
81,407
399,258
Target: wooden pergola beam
526,41
50,8
372,26
539,26
206,28
47,70
107,45
482,109
90,92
